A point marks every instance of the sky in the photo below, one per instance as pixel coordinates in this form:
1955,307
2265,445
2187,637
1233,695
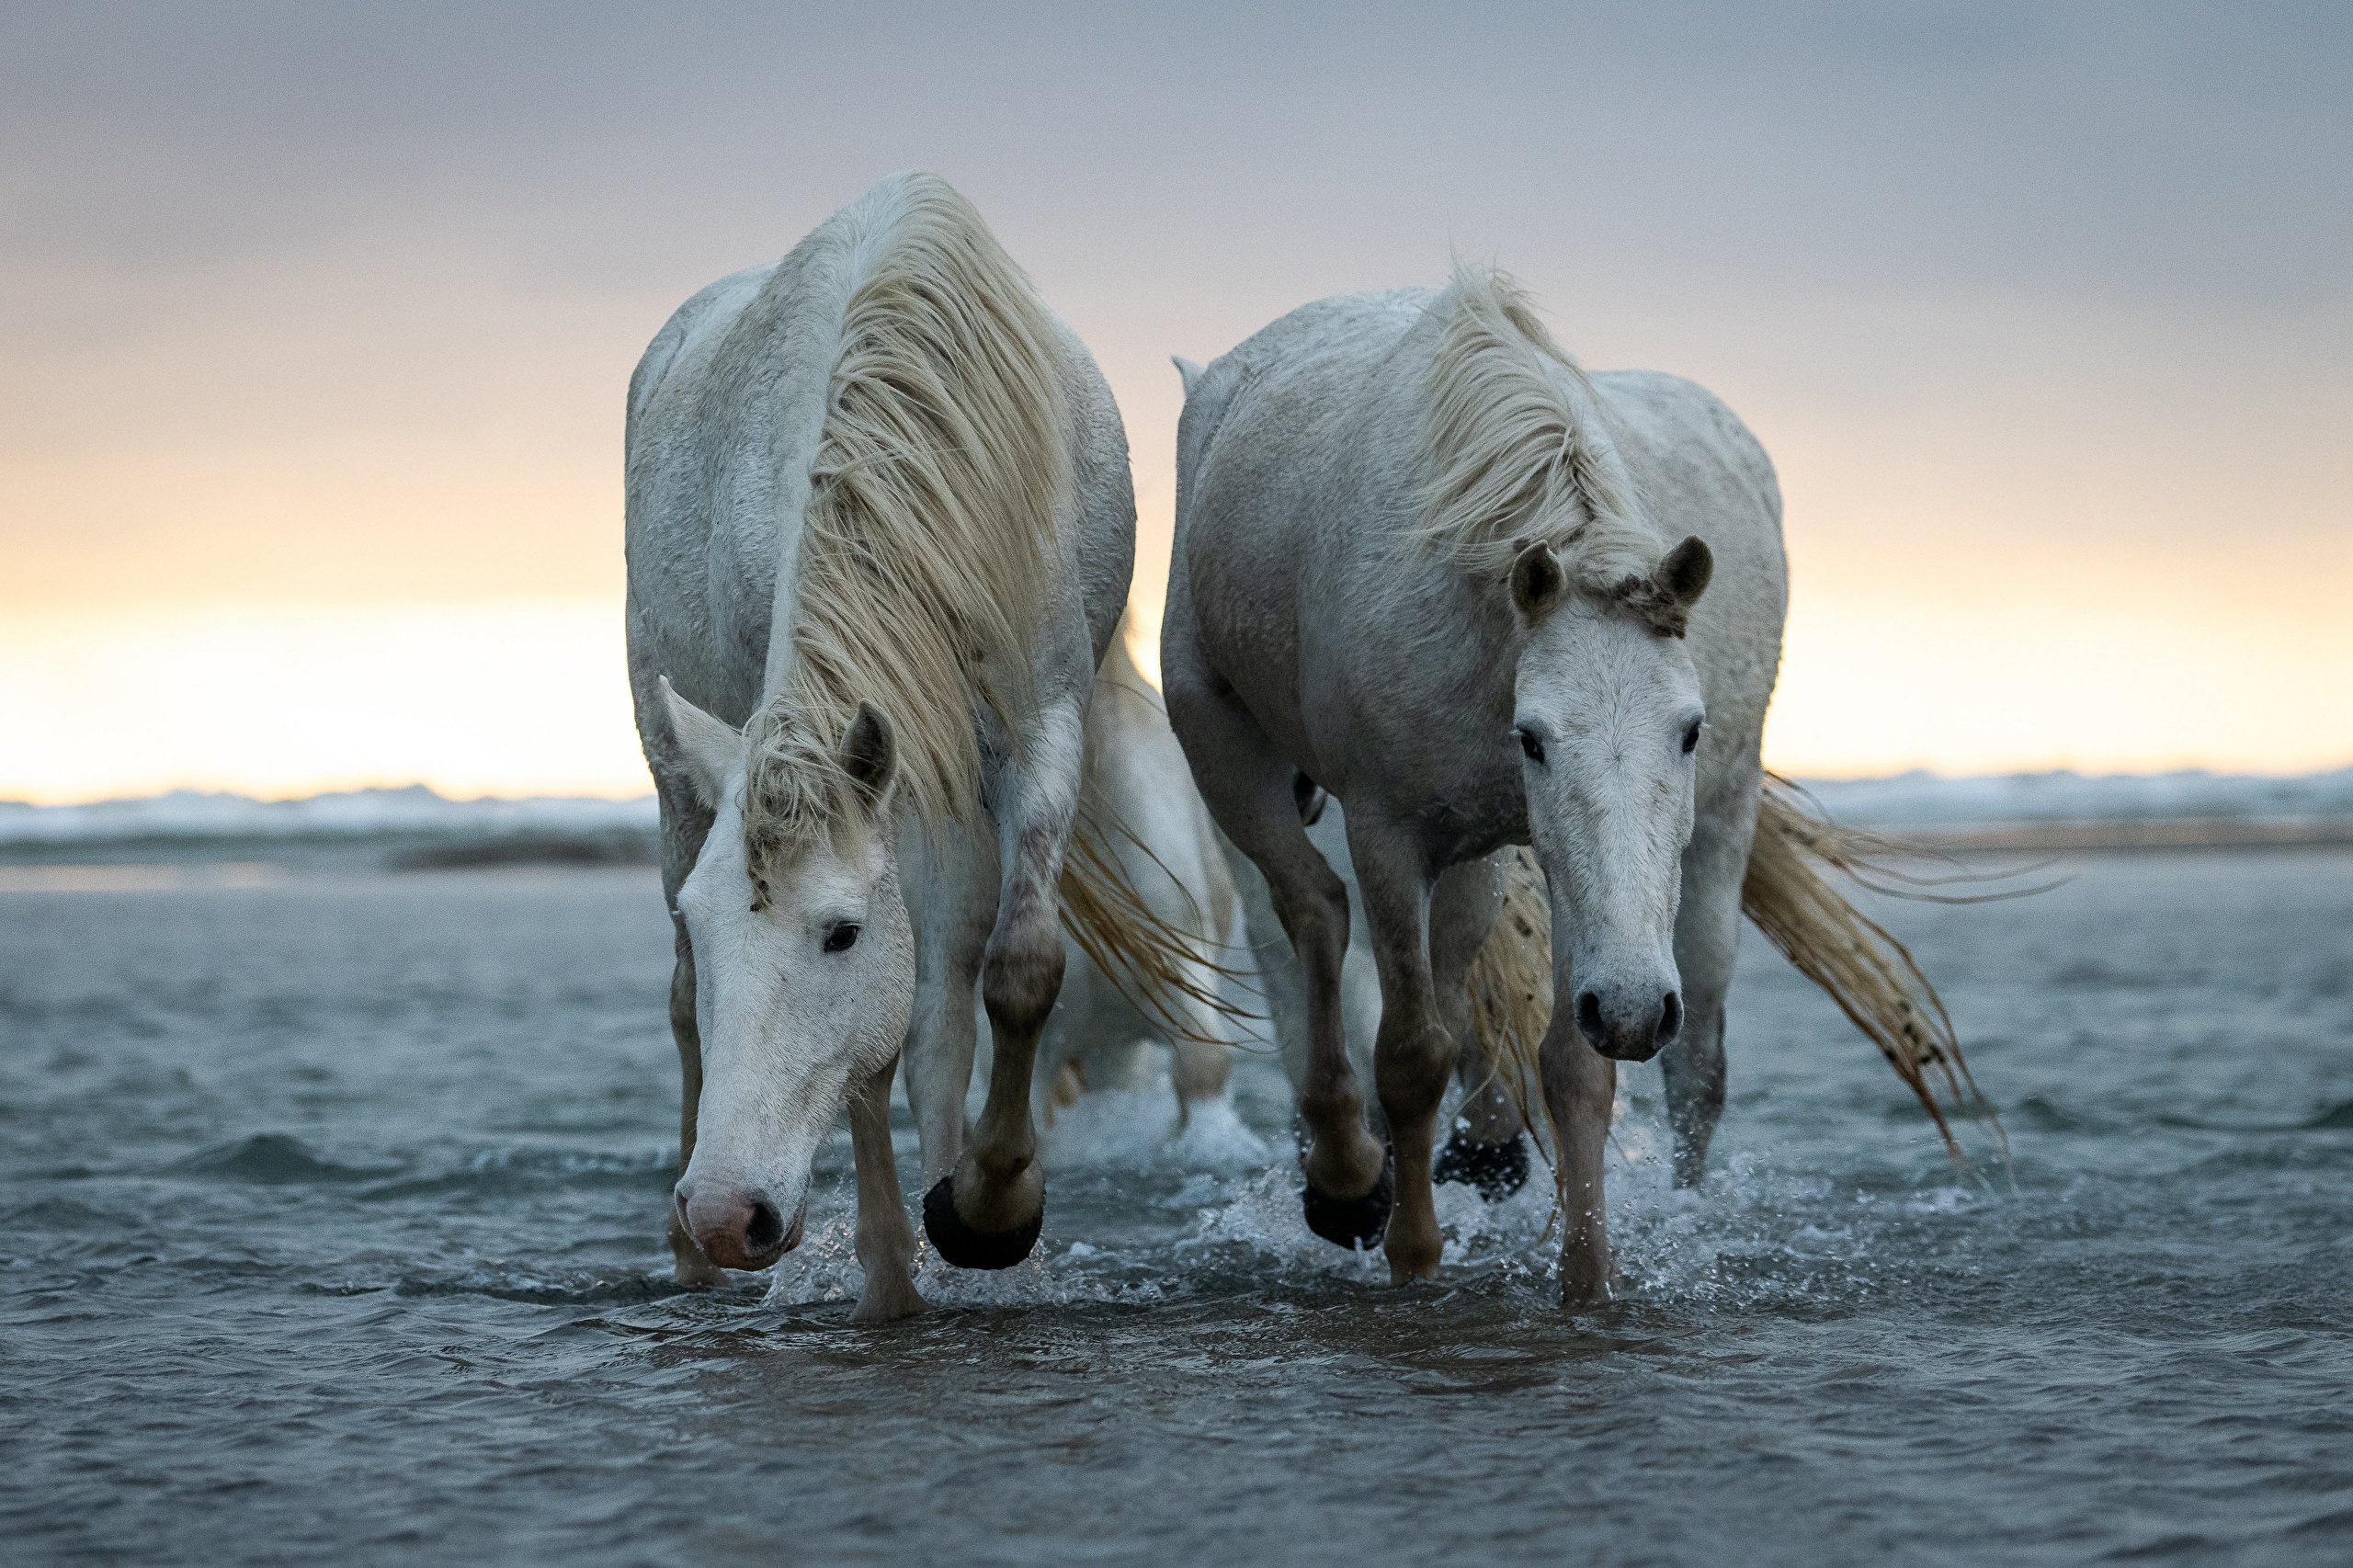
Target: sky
315,321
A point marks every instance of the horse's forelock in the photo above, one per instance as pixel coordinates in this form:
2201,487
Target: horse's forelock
1514,448
797,794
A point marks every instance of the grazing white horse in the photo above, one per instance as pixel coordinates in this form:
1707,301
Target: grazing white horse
1424,563
881,527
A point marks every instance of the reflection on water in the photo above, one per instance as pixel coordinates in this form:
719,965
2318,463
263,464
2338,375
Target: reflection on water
330,1231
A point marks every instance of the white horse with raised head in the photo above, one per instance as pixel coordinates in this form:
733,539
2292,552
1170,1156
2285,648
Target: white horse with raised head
881,527
1424,563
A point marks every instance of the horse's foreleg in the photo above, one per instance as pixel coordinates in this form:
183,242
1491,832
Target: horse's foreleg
1707,941
1252,794
957,903
685,825
1423,1014
886,1243
987,1213
1580,1088
688,1266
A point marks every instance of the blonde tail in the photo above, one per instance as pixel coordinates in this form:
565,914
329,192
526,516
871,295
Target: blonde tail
1156,967
1511,989
1871,976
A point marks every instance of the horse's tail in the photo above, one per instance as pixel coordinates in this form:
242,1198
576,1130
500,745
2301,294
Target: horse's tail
1166,973
1871,976
1161,959
1511,985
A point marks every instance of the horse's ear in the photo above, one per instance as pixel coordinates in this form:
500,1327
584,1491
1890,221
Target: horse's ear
1187,371
707,746
1536,581
1683,575
869,755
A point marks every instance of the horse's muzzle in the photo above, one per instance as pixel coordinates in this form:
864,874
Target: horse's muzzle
739,1229
1628,1028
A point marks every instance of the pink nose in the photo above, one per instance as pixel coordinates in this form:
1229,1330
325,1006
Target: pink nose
738,1229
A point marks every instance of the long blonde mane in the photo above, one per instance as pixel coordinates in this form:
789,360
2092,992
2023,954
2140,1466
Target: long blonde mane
922,565
1514,446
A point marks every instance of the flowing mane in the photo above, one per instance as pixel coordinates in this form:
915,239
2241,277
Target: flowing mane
1514,448
922,560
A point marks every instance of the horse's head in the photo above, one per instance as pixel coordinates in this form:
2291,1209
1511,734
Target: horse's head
1607,715
804,966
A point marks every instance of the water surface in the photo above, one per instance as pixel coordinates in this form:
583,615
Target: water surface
330,1231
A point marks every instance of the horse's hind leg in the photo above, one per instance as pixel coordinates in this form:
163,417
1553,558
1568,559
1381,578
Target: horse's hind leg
1485,1148
1707,941
1250,792
1204,1061
987,1213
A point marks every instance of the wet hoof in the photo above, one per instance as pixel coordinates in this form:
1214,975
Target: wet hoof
1353,1223
1497,1170
966,1247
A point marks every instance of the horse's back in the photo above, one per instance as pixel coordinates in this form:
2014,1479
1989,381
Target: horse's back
1282,389
1273,484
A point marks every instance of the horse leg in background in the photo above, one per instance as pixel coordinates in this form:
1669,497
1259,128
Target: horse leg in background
1250,793
685,823
886,1243
988,1212
1484,1148
1707,942
1423,1012
1204,1062
1200,1073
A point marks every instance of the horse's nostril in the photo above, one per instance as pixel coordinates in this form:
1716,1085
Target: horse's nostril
764,1230
1589,1017
1670,1017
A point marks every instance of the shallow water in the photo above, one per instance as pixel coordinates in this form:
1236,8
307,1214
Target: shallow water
331,1231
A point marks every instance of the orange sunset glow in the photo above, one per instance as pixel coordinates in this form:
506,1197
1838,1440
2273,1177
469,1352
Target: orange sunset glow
309,463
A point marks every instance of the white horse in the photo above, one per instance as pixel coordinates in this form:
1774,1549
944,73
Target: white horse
1424,563
881,527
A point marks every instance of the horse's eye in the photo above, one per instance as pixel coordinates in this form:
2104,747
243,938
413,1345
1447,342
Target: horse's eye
1692,738
842,937
1528,743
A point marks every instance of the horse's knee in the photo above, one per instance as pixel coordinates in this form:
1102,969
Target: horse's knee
684,1034
682,1007
1315,918
1021,978
1412,1061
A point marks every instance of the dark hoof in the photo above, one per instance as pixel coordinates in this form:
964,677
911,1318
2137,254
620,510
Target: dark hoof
1497,1170
1353,1223
966,1247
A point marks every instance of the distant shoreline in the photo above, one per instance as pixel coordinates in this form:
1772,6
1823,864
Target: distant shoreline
2065,838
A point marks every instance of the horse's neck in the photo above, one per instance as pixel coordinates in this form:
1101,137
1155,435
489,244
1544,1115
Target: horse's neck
807,303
